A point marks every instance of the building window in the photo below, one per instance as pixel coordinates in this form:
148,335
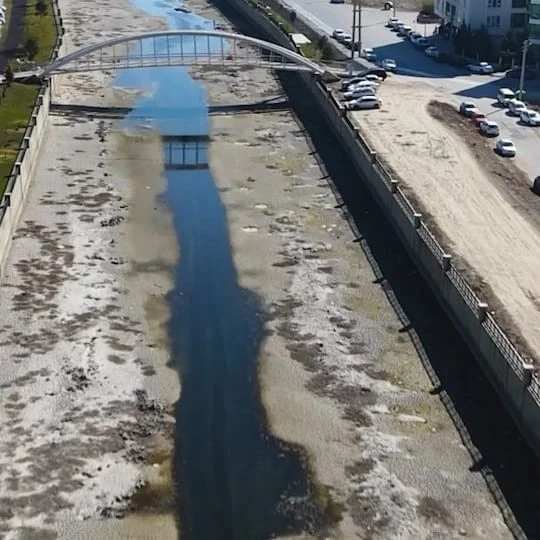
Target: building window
493,21
517,4
494,3
518,20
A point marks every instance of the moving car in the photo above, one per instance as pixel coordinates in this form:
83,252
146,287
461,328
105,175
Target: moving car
467,108
530,118
368,54
504,95
483,68
489,128
505,147
516,107
389,65
431,52
364,102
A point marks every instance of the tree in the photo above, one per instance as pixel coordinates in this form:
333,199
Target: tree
31,48
481,44
8,75
41,7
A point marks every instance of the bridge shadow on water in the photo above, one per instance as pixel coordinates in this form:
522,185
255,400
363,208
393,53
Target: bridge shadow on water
498,452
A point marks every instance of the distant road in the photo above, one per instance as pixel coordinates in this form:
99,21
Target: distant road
12,40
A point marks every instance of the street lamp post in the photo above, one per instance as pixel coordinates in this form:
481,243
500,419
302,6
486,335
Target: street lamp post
356,25
526,45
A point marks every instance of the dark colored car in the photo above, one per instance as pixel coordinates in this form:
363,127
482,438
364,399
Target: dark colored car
515,73
441,57
536,185
380,72
457,61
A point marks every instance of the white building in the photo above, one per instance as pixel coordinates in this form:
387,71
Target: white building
534,22
498,16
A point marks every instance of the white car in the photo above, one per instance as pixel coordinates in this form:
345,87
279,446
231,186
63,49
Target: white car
505,147
346,40
358,93
391,21
483,67
504,95
344,37
368,54
396,24
364,102
489,128
389,65
516,107
431,52
337,33
530,118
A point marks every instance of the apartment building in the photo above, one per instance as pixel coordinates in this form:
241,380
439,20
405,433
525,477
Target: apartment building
498,16
534,22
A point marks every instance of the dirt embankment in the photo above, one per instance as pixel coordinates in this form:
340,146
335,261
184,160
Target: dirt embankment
475,201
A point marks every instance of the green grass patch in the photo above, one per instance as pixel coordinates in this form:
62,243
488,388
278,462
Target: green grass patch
311,51
15,112
42,28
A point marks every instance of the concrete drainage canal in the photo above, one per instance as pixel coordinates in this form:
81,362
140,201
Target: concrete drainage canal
235,480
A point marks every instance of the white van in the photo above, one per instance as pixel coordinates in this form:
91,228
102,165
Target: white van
504,95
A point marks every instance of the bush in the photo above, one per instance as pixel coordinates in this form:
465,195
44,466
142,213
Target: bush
31,48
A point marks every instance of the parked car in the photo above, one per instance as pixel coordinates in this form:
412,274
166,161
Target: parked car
515,73
489,128
467,108
351,82
358,93
536,185
372,73
369,55
403,31
515,107
440,57
390,22
421,43
504,95
477,117
431,52
346,41
413,36
505,147
337,33
364,102
530,118
389,65
483,68
395,25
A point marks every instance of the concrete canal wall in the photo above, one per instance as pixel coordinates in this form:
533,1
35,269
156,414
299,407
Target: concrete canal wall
22,173
513,377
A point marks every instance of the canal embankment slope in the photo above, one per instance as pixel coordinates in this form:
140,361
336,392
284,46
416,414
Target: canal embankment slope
336,376
88,394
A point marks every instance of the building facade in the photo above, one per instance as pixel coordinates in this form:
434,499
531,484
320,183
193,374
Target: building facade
534,22
497,16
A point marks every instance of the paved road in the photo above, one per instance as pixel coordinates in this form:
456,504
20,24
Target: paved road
12,40
414,64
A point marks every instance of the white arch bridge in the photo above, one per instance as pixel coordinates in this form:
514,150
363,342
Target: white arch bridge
178,48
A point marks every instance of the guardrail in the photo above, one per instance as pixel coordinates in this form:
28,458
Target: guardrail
17,185
512,373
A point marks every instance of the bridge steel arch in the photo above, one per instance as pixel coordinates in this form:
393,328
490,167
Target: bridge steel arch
169,49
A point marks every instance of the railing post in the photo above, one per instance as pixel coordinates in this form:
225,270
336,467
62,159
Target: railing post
394,186
446,261
528,371
481,311
417,218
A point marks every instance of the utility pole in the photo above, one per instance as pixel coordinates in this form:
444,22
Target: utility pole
356,25
394,8
526,44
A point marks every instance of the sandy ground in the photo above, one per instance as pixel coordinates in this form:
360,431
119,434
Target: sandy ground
337,377
86,391
497,238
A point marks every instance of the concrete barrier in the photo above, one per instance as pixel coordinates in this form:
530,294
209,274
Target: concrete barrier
22,173
513,376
